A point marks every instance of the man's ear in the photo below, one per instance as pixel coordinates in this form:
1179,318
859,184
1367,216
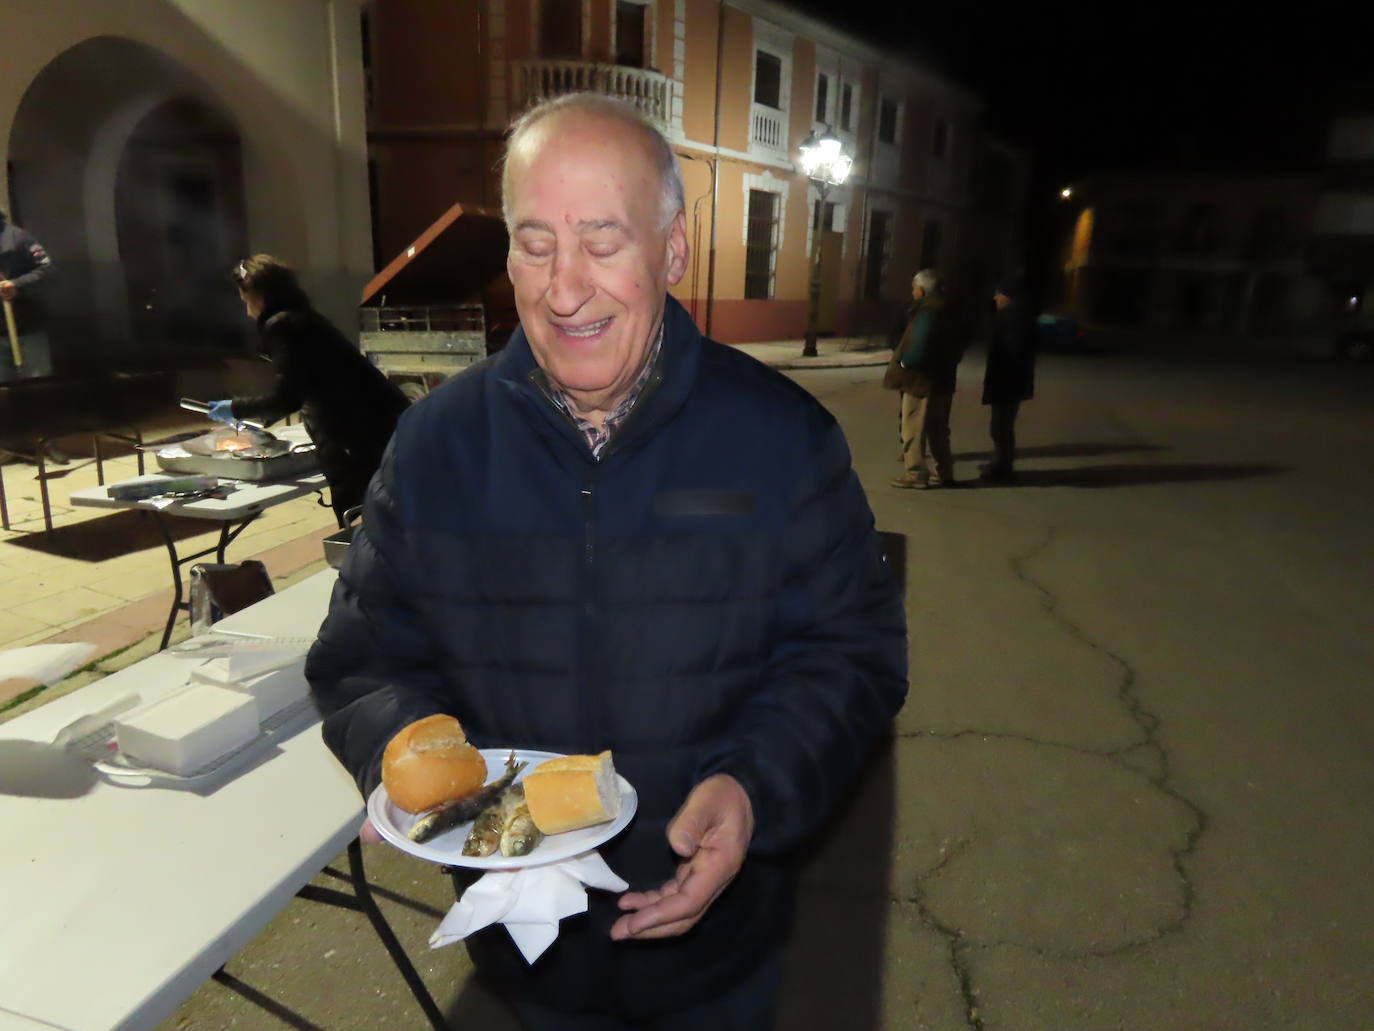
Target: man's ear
679,251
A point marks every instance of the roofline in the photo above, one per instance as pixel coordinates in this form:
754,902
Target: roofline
839,41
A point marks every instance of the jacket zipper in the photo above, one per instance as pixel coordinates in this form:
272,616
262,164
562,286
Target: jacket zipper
589,638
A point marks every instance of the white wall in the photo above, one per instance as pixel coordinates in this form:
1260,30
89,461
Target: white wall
287,73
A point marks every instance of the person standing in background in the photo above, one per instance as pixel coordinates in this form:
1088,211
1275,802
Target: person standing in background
929,357
1009,377
25,268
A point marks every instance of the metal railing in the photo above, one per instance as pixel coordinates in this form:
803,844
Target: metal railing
439,318
767,128
649,92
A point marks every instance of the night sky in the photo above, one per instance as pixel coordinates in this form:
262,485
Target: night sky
1120,87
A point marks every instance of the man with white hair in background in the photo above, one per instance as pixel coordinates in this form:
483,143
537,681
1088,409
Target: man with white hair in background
617,534
928,356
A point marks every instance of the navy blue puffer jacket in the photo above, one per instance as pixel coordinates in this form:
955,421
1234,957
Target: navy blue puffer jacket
708,597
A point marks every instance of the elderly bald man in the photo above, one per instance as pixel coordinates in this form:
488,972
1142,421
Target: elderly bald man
617,534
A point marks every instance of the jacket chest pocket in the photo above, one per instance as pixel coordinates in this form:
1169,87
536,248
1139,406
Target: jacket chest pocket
703,504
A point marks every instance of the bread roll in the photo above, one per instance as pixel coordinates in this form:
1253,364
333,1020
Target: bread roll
572,792
429,762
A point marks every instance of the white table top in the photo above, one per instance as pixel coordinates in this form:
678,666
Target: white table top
245,499
117,904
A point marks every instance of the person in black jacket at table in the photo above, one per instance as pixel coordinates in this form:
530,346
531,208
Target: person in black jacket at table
617,534
348,406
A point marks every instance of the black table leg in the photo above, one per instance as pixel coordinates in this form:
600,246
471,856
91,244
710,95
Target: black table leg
43,485
389,940
226,537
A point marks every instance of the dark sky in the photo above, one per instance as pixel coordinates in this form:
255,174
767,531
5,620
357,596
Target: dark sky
1114,86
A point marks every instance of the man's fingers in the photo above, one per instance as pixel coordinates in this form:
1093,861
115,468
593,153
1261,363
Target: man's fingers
665,931
640,899
368,834
680,908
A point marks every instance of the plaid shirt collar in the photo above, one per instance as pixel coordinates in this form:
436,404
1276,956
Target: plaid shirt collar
597,437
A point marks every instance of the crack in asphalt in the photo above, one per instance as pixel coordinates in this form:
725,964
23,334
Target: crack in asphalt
954,943
1159,778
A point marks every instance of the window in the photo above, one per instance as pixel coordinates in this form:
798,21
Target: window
760,244
875,262
823,217
887,120
846,106
939,142
822,97
560,29
1200,233
768,80
629,34
930,244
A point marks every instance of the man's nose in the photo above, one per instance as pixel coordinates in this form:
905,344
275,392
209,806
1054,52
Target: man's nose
569,287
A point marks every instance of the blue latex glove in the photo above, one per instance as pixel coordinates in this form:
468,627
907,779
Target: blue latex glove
222,411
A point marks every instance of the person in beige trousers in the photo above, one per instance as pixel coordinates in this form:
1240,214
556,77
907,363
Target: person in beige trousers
923,369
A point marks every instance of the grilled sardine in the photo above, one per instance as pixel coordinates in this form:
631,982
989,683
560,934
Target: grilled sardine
448,816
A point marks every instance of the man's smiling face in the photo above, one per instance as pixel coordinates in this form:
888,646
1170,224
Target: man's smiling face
590,259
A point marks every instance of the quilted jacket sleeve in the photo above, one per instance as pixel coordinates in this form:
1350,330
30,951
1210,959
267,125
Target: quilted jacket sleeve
373,668
838,670
287,394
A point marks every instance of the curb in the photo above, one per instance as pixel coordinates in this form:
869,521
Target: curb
826,363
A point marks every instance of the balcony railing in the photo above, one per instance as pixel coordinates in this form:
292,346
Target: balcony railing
768,128
649,92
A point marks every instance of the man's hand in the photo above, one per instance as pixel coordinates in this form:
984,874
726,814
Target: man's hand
711,832
8,290
368,834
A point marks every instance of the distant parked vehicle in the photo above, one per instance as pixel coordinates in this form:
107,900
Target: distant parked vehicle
1354,345
1059,333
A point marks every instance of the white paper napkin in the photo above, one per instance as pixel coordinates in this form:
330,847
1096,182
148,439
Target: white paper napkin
530,902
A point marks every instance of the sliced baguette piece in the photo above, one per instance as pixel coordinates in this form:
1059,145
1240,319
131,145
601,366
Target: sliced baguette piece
572,792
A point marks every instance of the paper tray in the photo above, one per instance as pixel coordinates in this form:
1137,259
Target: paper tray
101,749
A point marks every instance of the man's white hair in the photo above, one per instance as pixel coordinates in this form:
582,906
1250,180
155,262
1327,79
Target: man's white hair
928,280
665,162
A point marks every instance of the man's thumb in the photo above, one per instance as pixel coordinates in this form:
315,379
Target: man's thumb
684,834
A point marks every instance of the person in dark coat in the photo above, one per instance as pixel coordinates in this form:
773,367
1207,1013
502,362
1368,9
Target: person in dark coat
25,273
929,353
348,406
617,534
1009,377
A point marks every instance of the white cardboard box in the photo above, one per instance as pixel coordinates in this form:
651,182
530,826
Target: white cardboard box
273,691
188,729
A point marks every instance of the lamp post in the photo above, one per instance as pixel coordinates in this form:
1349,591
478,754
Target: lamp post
825,163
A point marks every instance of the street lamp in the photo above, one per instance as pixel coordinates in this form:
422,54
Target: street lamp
825,163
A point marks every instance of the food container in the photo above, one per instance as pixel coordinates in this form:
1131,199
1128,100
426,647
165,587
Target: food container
232,455
338,544
189,728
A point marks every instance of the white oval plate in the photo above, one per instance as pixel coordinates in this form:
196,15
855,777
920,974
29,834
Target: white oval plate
393,823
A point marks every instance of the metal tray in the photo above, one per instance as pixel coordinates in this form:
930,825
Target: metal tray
175,459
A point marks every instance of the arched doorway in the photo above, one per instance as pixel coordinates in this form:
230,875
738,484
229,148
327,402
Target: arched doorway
179,220
128,168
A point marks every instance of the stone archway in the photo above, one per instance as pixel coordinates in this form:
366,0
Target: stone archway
180,223
126,165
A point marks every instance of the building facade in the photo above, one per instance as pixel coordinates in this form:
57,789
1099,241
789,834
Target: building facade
1208,253
150,144
1342,247
735,86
